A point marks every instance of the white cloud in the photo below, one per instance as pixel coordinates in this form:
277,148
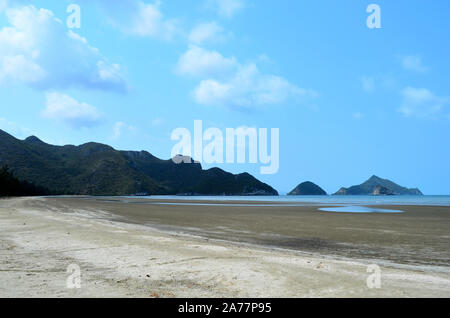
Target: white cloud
21,69
413,63
207,32
135,17
3,5
368,84
227,8
226,82
203,63
119,127
248,88
421,102
36,49
69,111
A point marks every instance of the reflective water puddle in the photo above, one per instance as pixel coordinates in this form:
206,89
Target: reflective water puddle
359,209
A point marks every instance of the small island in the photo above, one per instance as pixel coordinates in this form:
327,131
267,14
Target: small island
307,188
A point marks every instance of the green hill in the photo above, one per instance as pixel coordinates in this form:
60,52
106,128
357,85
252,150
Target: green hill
97,169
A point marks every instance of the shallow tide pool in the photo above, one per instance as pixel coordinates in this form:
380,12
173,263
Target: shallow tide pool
358,209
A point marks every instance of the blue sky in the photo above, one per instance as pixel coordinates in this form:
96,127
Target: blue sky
349,101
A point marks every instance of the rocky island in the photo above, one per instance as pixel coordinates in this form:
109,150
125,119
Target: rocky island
378,186
307,188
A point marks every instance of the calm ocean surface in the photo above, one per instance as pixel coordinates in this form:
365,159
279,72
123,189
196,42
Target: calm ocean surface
438,200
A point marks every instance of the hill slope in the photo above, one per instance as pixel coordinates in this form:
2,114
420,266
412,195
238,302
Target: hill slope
307,188
97,169
11,186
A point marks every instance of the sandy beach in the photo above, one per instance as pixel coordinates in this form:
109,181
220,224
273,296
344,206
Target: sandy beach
145,248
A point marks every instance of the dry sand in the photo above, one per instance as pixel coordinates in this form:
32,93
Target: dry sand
138,250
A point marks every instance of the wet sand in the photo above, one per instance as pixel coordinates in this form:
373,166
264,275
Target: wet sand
420,235
142,248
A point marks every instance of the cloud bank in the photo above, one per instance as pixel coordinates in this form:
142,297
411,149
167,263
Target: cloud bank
207,32
37,49
413,63
138,18
226,82
67,110
421,102
227,8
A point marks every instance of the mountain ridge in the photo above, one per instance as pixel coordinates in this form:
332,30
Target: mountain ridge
99,169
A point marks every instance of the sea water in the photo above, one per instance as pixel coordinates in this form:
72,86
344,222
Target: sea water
354,200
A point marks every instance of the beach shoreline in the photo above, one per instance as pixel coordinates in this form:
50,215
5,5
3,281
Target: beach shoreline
136,250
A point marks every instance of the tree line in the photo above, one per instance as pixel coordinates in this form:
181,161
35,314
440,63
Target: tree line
11,186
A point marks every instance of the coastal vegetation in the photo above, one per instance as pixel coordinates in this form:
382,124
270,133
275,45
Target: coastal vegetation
12,186
98,169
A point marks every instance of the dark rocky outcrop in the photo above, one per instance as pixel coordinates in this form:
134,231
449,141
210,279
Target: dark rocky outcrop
380,190
341,191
